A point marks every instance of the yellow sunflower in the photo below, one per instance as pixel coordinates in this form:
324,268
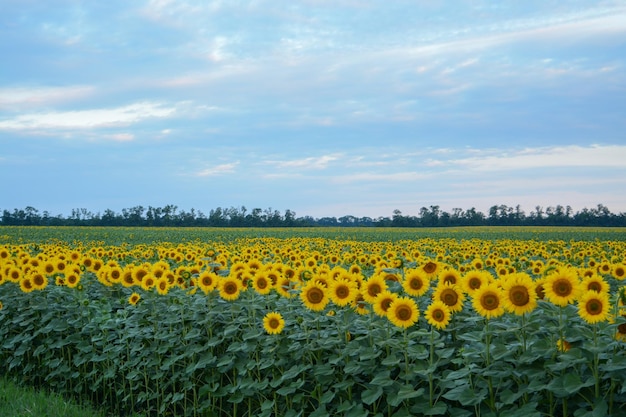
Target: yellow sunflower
449,275
162,285
618,270
431,268
487,301
593,307
563,345
207,281
39,280
438,314
451,295
134,299
314,296
72,279
519,293
273,323
562,287
594,283
342,291
230,288
372,287
416,282
474,279
383,301
26,284
262,283
403,312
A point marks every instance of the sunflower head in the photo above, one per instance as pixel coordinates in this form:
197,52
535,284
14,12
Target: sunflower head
451,295
562,286
487,301
403,312
438,314
314,295
273,323
593,307
519,295
416,282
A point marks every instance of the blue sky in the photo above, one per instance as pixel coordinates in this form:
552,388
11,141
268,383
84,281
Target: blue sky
326,108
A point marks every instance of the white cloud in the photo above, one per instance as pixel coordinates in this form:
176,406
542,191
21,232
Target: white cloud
89,119
17,98
547,157
320,162
218,170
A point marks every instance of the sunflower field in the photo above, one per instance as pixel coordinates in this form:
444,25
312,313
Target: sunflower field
319,322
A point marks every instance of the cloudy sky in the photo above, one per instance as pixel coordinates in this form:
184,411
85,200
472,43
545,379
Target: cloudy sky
326,108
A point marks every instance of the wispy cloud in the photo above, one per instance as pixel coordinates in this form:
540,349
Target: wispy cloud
319,162
21,98
89,119
546,157
216,170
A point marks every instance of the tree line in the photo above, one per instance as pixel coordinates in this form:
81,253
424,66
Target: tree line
432,216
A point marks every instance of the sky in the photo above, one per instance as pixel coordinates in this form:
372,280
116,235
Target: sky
325,108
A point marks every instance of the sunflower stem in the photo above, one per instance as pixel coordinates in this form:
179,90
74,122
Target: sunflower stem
492,401
430,374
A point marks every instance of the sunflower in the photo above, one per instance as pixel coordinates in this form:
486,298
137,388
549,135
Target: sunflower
372,287
438,314
207,281
416,282
451,295
162,285
72,279
230,288
127,277
134,299
563,345
449,275
594,283
474,279
39,281
273,323
26,284
519,293
562,287
262,283
383,301
403,312
314,296
594,307
487,301
618,271
148,282
431,268
342,291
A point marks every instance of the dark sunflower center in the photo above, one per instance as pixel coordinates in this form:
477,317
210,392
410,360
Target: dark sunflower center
404,313
594,286
230,288
315,295
449,297
562,287
274,323
342,291
475,283
438,315
261,283
593,307
489,301
450,278
430,267
416,283
373,289
519,295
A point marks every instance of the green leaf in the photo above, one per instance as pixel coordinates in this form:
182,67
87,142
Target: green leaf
383,379
370,395
465,395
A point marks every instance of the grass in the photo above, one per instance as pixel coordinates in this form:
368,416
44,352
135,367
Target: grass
19,401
